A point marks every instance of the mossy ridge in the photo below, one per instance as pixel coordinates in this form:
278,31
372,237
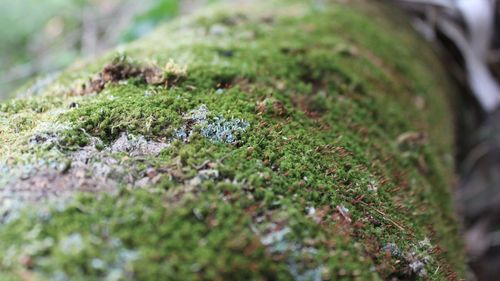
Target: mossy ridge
321,129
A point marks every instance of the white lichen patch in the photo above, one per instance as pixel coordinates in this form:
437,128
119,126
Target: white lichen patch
416,259
278,238
47,133
137,146
217,129
222,130
191,119
72,244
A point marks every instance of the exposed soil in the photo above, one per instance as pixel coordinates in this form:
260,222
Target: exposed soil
122,68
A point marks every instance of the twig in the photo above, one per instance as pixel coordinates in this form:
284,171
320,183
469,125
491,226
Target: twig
386,217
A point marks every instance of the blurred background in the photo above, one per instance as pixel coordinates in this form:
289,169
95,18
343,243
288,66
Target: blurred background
44,36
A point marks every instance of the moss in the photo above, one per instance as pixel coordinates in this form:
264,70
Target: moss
294,169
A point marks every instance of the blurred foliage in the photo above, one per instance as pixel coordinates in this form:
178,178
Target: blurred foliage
22,20
32,29
163,10
40,37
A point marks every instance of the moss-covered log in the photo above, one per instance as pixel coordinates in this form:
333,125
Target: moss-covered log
283,140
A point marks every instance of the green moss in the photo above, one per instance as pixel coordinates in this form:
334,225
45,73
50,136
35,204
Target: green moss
317,185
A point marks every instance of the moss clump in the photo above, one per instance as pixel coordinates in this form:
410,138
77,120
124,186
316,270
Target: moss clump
296,143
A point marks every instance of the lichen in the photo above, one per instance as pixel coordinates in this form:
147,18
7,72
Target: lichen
222,130
277,141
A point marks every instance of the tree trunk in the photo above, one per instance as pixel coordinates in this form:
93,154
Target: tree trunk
270,141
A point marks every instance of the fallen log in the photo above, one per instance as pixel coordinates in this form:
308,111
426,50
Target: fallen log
286,140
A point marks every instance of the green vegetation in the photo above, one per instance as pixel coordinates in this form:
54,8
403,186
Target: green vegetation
160,12
277,141
57,32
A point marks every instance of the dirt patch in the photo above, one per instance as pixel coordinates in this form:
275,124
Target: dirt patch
47,184
86,170
271,106
123,68
311,107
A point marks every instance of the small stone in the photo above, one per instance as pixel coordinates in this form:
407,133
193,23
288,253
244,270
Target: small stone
74,105
311,211
419,268
208,174
142,182
151,173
